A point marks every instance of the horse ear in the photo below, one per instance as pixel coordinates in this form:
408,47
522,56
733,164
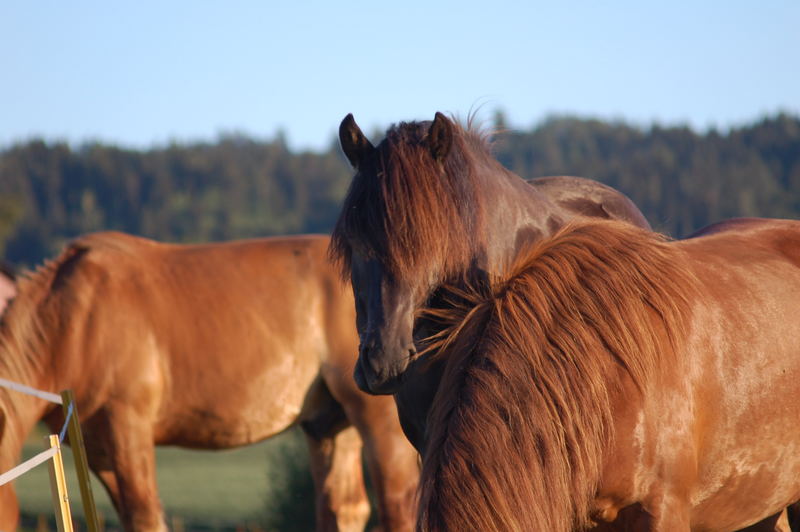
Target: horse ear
440,136
354,144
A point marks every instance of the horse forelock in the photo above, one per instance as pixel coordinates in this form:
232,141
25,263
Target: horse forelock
410,212
533,362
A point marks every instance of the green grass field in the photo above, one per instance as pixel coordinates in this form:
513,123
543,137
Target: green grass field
265,486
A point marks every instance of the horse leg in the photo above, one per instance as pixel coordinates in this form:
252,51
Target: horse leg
392,462
95,431
661,513
124,460
341,499
9,508
393,465
102,469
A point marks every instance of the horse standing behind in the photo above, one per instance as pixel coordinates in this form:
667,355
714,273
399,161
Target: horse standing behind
610,377
203,346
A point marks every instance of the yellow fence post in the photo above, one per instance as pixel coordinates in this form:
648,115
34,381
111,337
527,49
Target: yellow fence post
81,463
58,484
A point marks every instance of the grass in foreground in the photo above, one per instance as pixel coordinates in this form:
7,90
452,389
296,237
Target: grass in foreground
266,486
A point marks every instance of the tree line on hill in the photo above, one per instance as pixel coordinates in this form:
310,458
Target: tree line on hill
237,187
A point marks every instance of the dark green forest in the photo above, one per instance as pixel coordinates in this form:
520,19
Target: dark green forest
238,187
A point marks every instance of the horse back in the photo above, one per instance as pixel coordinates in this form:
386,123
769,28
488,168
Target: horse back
587,197
742,238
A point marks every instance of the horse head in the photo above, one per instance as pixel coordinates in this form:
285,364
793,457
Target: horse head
406,199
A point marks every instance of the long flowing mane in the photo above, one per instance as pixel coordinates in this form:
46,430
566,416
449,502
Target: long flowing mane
24,325
523,416
21,330
23,336
405,201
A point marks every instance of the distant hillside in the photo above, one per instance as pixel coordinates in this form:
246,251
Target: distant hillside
237,187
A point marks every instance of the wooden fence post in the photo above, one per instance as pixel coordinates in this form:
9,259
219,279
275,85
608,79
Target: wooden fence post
58,485
81,463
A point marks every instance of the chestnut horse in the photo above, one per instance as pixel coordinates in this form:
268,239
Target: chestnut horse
426,182
612,377
203,346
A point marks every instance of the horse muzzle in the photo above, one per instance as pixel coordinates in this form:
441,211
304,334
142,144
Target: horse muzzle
377,373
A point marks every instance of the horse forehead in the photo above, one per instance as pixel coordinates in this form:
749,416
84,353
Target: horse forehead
403,134
410,130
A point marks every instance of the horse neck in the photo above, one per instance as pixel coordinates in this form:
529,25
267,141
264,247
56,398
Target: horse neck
515,214
18,424
30,367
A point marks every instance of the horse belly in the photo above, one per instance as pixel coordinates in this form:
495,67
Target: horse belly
241,403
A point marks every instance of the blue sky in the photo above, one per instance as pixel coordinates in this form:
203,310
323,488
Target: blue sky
147,72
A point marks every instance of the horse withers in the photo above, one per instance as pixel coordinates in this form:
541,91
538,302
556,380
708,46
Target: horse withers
204,346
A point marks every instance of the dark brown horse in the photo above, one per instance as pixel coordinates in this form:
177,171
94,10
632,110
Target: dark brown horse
204,346
429,204
610,376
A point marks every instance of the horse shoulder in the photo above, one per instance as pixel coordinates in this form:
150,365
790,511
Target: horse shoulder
85,318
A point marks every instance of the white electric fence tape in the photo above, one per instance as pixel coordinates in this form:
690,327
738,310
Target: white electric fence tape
29,464
47,396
